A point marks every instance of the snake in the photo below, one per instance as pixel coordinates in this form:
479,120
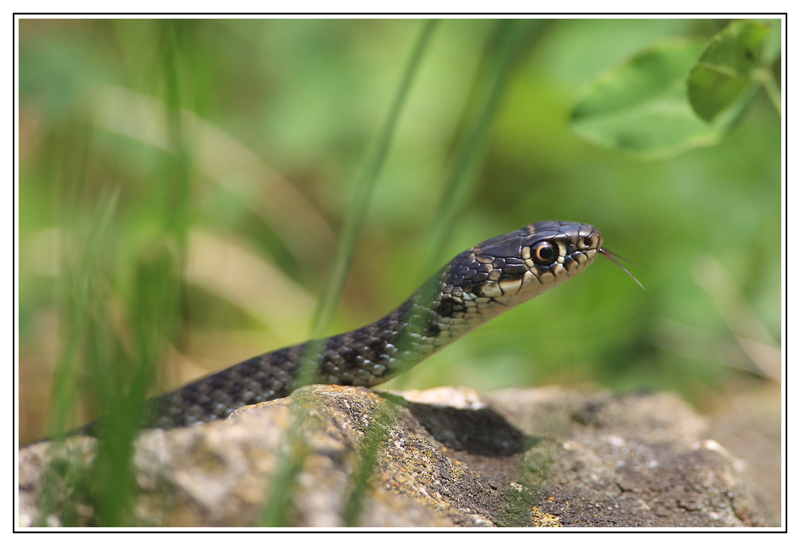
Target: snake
475,286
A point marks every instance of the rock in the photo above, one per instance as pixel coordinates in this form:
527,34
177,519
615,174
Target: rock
330,456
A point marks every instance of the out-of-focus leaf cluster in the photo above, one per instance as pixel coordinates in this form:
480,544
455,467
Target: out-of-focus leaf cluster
677,95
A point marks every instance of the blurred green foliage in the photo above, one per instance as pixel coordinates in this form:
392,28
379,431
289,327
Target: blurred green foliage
233,146
680,94
732,66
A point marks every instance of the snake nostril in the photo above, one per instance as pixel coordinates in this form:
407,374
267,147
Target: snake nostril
587,242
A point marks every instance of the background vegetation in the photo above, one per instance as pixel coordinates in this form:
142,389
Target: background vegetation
183,185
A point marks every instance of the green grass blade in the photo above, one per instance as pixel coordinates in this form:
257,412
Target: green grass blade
276,510
362,190
510,38
503,52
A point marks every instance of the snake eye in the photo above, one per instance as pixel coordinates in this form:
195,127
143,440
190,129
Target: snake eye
544,253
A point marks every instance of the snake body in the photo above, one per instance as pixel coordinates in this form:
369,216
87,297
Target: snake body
471,289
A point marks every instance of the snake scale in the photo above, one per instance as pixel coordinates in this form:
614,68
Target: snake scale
471,289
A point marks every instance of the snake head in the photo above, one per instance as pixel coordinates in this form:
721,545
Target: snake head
520,265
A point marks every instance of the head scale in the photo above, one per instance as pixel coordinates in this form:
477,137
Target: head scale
515,267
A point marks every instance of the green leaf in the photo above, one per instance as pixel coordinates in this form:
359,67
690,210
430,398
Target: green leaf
731,67
641,107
